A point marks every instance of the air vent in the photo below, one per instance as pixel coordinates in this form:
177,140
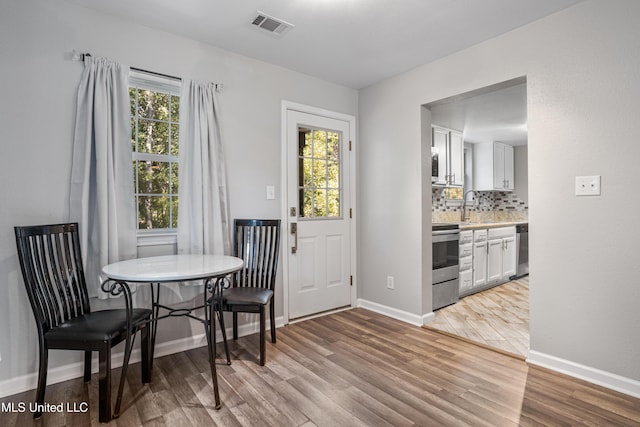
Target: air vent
275,26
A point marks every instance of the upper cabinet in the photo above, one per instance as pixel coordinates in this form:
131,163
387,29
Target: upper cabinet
449,147
493,167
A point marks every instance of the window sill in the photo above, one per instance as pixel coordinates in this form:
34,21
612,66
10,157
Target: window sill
157,239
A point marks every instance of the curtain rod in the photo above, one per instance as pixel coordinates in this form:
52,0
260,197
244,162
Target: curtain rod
80,57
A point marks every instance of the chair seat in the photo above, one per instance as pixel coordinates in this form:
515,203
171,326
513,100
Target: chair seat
103,325
241,295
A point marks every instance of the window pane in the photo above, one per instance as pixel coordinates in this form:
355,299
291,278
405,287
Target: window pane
153,212
333,207
174,212
174,178
319,202
320,174
132,97
304,143
320,144
175,109
153,105
305,201
307,172
175,139
333,146
153,177
333,175
153,137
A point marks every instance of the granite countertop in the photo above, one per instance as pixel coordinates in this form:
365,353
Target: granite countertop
493,224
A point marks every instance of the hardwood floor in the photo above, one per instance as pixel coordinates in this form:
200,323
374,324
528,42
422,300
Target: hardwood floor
497,317
352,368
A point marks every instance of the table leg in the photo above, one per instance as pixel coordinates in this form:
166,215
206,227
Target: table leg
153,325
210,332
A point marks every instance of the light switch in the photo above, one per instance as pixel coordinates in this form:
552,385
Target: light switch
588,185
271,192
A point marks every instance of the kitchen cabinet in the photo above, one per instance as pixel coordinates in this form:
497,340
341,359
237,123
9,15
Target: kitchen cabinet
479,258
466,261
501,254
493,167
449,146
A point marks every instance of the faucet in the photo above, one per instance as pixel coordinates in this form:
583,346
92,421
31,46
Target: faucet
464,216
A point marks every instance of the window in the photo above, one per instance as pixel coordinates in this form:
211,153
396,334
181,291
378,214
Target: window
155,129
319,176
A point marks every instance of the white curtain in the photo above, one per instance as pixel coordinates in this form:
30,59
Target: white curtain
203,210
101,193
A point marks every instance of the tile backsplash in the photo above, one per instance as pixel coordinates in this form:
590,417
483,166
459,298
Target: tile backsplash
488,206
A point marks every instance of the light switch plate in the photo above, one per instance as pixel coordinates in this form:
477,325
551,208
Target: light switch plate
588,185
271,192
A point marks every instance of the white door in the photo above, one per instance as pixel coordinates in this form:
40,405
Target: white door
318,204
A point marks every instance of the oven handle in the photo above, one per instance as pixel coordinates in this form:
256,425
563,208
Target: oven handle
445,236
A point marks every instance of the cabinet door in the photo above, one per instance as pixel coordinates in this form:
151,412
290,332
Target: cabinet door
508,167
456,159
509,257
480,263
494,261
440,142
498,166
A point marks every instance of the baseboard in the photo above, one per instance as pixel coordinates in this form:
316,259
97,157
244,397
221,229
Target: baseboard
76,370
394,313
587,373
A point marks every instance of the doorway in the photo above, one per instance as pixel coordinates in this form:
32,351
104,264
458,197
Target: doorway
319,207
494,115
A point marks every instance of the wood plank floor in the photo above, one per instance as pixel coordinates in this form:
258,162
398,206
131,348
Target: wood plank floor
353,368
497,317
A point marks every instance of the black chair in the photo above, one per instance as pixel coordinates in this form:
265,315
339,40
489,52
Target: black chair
53,275
257,242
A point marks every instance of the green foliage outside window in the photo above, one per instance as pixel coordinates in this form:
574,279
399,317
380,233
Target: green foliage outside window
154,142
319,173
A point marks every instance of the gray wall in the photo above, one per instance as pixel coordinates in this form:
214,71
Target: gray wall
37,110
583,85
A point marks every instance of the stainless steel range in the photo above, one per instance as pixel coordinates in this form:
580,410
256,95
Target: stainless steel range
444,273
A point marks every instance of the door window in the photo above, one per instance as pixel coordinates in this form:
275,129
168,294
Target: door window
319,174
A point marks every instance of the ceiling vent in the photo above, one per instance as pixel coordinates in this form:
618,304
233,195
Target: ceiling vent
275,26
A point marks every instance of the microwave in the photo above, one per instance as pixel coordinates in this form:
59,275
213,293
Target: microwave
434,164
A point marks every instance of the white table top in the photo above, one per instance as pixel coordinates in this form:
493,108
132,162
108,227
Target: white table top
172,268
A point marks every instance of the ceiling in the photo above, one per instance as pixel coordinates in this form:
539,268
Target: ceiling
354,43
496,113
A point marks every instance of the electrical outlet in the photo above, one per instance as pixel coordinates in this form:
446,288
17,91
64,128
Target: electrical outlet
390,284
588,185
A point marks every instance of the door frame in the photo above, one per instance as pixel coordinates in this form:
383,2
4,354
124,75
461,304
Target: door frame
351,182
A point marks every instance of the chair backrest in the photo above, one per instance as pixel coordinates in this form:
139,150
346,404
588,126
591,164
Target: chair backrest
51,266
257,242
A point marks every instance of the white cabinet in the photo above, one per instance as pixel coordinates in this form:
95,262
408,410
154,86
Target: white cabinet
479,258
493,167
450,148
466,261
501,254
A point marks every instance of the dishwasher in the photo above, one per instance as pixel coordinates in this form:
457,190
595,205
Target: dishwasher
522,256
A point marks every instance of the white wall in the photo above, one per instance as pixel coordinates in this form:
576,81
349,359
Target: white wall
583,87
521,172
37,107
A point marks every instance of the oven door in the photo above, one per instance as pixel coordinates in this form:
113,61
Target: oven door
445,255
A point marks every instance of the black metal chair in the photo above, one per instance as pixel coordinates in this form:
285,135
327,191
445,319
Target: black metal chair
257,242
51,265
